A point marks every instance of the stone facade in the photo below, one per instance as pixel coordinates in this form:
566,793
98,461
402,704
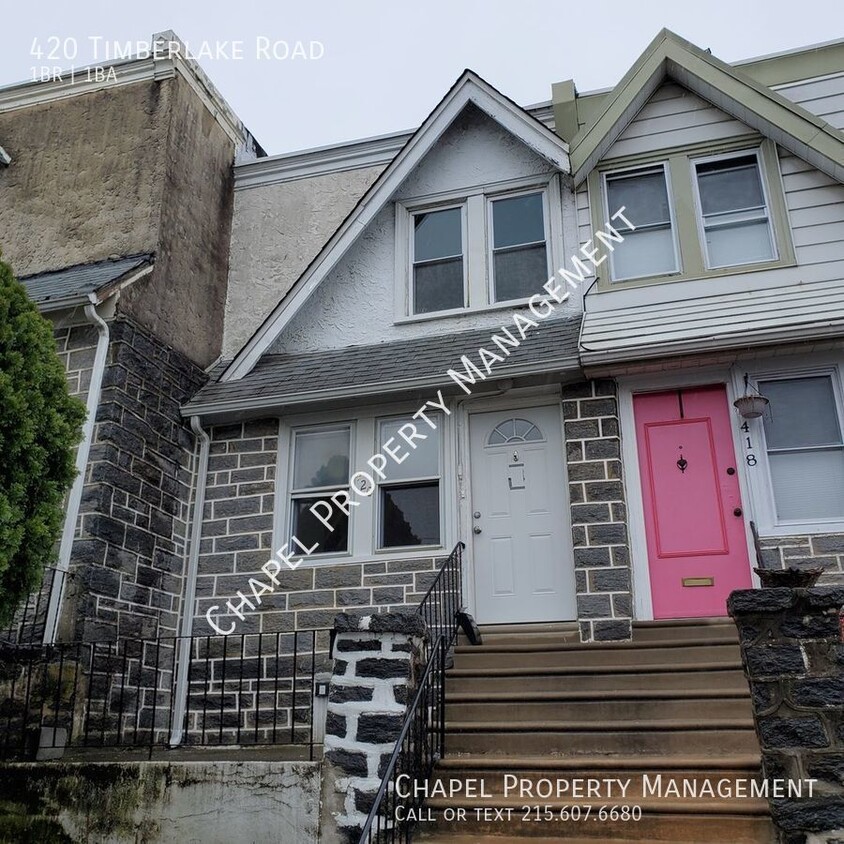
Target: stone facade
376,665
791,643
76,344
598,511
824,551
126,564
237,539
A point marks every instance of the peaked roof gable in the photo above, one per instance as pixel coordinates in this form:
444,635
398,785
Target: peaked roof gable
670,57
469,88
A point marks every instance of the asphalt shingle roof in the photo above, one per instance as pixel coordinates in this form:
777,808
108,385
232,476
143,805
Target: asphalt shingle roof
79,280
281,378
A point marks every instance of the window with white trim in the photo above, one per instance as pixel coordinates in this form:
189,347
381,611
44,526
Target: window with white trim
519,261
735,222
438,265
649,249
805,448
482,248
408,499
320,468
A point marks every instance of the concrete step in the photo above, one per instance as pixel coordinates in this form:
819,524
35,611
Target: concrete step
526,656
718,675
679,629
590,785
699,736
726,761
531,706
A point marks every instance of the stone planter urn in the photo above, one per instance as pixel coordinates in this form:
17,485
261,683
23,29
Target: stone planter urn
791,577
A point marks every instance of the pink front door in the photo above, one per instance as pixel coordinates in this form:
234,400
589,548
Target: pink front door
697,547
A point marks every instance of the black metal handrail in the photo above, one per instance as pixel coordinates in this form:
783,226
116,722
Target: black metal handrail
443,601
419,747
421,743
244,689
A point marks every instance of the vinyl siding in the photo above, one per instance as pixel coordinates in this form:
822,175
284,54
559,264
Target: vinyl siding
823,97
674,117
815,205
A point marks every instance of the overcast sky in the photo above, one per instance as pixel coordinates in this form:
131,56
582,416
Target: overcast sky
384,64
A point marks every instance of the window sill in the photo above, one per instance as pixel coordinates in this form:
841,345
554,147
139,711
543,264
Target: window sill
606,286
779,531
428,552
513,305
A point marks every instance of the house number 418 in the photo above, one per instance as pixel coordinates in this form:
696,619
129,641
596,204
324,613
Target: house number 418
750,457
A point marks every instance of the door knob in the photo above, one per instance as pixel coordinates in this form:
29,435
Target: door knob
476,529
737,511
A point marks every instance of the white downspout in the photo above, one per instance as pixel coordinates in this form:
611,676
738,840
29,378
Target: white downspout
74,499
189,597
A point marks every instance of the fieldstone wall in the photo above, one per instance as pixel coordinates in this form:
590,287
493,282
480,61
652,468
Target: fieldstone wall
824,551
793,655
237,537
126,566
598,511
76,345
376,662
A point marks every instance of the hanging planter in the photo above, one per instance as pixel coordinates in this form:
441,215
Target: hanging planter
750,406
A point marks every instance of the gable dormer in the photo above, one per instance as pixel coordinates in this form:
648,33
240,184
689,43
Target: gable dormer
442,241
735,199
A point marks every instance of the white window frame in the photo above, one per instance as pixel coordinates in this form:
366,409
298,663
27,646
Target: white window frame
759,476
363,540
491,198
379,484
477,235
755,152
632,172
425,209
291,494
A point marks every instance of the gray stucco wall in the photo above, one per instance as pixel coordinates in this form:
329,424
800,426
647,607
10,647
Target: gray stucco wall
134,168
86,178
160,802
277,230
356,303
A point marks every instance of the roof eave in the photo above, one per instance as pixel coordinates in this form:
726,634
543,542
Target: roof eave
280,401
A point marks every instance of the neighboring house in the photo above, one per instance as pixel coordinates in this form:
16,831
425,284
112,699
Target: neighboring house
115,214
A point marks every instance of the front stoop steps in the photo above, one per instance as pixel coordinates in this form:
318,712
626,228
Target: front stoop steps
535,703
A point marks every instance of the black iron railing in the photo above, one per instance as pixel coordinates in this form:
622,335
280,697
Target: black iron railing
444,598
421,743
29,621
246,689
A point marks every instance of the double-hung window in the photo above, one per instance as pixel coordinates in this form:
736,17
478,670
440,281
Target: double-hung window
734,217
321,459
482,248
649,248
438,266
519,253
408,499
805,448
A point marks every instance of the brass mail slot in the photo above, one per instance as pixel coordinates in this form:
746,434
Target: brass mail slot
698,581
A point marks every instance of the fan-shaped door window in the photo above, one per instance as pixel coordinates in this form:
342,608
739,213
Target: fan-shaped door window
515,431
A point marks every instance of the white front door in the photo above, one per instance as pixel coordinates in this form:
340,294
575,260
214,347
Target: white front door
522,551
